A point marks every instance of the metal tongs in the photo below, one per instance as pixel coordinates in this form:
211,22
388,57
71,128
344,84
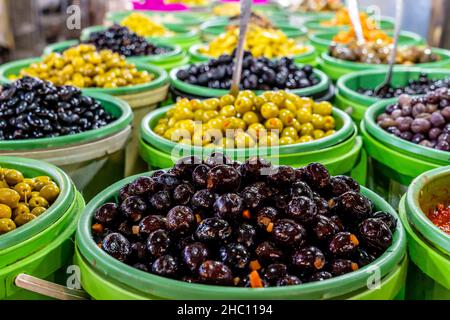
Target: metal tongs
246,10
353,11
386,84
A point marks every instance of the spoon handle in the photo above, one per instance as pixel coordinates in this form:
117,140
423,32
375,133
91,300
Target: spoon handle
398,24
49,289
246,9
353,11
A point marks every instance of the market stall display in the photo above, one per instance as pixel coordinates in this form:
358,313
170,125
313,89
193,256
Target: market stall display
427,244
355,91
282,185
109,272
42,246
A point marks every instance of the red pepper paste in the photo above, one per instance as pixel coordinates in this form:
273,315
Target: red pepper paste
441,217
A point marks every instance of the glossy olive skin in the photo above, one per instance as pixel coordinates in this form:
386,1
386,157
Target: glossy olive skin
117,246
215,272
376,234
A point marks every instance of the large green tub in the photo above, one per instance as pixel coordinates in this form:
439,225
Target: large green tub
348,99
43,246
315,25
336,68
93,159
173,58
141,98
318,91
308,57
322,40
429,247
104,277
393,162
183,37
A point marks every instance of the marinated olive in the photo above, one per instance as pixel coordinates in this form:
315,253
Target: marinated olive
117,246
194,255
215,272
308,259
166,266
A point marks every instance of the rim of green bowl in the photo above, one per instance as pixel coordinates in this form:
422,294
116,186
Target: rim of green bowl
341,134
53,213
415,214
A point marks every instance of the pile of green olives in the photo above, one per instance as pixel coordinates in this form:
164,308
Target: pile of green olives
271,119
23,199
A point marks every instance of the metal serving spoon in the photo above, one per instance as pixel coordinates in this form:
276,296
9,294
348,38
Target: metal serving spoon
246,10
385,85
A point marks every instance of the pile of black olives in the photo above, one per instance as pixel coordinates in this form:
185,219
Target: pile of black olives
31,108
257,74
220,222
423,120
421,85
123,41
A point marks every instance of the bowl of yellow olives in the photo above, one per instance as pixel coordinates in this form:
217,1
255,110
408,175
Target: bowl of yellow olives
33,196
84,67
276,120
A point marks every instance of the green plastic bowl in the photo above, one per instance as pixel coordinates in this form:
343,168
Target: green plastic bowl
321,87
14,245
174,57
161,78
344,158
184,19
49,261
308,57
347,97
428,274
322,40
424,193
212,29
147,285
183,37
344,129
315,25
336,68
118,108
396,143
